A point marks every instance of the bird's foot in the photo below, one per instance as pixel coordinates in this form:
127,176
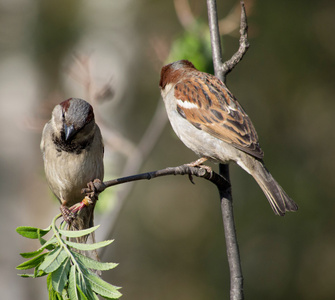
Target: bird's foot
199,163
92,191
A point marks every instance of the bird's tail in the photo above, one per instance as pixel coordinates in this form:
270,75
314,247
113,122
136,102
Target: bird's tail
280,202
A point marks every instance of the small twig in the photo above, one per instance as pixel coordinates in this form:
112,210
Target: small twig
213,177
244,45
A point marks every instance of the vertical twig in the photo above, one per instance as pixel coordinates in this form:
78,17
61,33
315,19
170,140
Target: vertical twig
244,45
233,255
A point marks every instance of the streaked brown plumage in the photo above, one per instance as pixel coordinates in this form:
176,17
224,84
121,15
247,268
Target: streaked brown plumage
209,120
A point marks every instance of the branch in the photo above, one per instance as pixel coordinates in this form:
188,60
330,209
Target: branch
215,38
185,169
221,70
244,45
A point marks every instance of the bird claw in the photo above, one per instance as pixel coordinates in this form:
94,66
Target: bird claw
70,213
207,168
199,163
190,177
92,193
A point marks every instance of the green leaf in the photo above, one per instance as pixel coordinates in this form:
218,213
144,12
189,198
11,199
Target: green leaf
90,263
39,236
58,296
49,287
72,288
94,296
81,282
48,245
102,287
81,294
32,232
77,288
27,275
53,261
52,293
41,240
67,281
59,277
34,275
32,263
89,247
39,273
77,233
31,254
65,295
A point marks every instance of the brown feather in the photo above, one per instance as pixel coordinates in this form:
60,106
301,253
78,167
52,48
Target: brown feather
216,111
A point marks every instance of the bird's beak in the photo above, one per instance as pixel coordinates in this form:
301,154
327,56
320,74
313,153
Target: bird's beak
69,132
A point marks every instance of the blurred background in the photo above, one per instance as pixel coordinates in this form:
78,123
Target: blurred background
169,239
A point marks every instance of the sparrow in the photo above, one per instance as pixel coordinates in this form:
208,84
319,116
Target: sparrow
208,119
73,150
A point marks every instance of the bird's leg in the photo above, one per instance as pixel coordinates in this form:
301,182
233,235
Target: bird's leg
89,199
70,213
79,206
67,214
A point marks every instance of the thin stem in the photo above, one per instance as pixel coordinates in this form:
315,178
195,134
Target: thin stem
213,177
62,244
226,200
233,253
215,38
229,65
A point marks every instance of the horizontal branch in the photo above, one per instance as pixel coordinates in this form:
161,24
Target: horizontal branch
211,176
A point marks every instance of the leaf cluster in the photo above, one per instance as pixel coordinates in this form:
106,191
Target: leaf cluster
70,275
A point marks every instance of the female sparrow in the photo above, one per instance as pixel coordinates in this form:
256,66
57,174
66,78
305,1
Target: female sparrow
208,119
73,151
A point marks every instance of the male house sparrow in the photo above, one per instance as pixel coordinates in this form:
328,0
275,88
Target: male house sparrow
73,151
208,119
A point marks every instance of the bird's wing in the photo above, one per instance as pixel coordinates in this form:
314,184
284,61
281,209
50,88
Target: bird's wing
207,104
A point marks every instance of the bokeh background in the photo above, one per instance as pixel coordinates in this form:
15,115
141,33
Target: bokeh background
169,239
